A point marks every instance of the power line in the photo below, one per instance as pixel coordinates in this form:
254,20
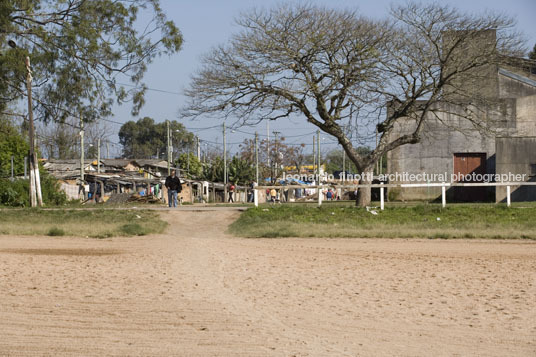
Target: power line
151,89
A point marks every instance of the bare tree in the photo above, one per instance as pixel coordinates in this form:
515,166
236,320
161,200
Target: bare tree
327,65
62,140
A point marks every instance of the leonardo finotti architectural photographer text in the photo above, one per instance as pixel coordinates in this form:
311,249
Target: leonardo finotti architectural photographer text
412,177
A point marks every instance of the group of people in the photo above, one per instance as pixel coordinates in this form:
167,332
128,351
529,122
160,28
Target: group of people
174,187
250,194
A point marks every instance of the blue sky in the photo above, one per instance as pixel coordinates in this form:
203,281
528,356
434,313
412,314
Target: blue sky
205,24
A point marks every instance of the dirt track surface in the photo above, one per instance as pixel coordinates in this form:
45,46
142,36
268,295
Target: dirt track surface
195,291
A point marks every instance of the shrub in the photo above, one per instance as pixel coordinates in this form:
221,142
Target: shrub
55,232
133,229
16,193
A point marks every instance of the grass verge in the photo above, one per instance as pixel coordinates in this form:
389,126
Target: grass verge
95,223
421,221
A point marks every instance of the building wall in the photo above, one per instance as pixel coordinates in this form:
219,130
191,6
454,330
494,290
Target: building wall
512,115
526,116
511,88
443,137
517,155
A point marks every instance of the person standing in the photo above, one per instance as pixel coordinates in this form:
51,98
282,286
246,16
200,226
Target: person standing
231,193
173,184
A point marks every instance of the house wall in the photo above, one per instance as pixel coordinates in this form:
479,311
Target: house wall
517,155
511,88
514,115
435,153
526,116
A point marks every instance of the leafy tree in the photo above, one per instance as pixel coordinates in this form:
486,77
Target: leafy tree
241,171
213,170
12,143
189,163
80,50
146,139
326,65
16,193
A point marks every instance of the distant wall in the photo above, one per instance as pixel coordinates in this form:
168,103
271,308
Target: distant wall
517,155
512,88
435,153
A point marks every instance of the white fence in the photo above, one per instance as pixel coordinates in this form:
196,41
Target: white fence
382,187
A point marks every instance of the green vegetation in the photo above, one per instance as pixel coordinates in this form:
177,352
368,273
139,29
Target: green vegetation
55,232
16,193
78,60
94,223
133,229
421,221
144,138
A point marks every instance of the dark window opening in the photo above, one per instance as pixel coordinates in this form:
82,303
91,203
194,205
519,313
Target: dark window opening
533,169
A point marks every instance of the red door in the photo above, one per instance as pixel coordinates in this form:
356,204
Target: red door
469,165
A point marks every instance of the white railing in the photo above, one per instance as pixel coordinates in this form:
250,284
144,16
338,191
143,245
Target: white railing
382,186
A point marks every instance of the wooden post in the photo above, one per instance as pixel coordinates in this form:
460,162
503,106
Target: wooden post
443,196
256,197
224,166
35,182
382,204
508,201
98,155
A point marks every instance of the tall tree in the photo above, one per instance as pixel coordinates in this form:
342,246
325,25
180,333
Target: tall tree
61,140
146,139
327,65
80,53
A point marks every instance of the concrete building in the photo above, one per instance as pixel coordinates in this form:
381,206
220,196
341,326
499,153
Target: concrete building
451,146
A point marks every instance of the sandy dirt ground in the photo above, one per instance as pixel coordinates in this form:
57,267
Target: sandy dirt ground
196,291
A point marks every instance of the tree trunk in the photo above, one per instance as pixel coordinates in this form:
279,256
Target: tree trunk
364,194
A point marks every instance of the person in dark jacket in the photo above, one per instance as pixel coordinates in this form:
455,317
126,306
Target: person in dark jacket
173,185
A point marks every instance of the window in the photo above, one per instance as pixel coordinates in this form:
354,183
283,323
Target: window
532,169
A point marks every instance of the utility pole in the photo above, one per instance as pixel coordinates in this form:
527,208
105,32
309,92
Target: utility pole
12,178
377,162
198,149
257,158
276,158
168,148
81,149
188,161
268,148
343,165
318,153
224,166
35,183
107,149
98,155
314,156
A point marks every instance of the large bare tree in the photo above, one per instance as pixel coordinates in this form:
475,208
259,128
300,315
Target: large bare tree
332,66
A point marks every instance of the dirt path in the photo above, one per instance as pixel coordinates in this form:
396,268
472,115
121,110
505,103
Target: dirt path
195,291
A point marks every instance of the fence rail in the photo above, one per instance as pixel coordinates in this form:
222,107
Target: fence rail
382,186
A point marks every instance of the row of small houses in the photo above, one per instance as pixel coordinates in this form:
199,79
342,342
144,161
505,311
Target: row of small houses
144,177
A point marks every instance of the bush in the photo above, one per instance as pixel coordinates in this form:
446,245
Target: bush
133,229
55,232
16,193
